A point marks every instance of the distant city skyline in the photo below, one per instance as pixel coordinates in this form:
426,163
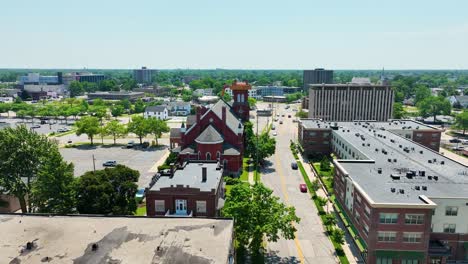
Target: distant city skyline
208,34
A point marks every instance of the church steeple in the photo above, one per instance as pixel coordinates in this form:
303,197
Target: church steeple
240,92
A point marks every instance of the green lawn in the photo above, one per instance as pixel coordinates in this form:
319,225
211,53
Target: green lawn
245,170
141,211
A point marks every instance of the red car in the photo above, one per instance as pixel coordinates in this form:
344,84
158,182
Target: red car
303,187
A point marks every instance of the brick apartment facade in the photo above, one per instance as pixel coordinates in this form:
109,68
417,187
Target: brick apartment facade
408,203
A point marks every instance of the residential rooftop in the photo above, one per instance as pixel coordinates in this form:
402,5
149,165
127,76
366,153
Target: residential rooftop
70,239
191,176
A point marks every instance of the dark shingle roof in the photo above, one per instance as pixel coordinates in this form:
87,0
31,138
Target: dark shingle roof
209,135
232,120
155,108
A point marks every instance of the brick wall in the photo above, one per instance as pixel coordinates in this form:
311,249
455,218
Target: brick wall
314,141
428,138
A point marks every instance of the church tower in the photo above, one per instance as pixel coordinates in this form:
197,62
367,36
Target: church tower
240,94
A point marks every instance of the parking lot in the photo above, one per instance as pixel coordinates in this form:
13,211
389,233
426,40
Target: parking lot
142,160
51,126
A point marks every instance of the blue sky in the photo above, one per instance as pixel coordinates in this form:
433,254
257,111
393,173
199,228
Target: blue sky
254,34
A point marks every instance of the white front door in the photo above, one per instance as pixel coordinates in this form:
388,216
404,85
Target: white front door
181,206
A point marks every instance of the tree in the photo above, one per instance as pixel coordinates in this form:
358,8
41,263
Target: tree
252,102
116,129
117,110
329,220
433,106
338,235
139,126
108,85
53,191
88,125
102,133
325,164
398,111
139,106
422,92
108,191
266,145
157,127
257,215
22,156
461,121
76,88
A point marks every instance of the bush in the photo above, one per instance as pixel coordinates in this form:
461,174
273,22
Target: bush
230,181
325,164
163,167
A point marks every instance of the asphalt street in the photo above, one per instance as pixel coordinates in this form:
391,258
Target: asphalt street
311,245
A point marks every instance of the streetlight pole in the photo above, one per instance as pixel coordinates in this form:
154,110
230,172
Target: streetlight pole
94,164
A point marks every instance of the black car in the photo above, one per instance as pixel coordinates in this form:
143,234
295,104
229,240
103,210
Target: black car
294,165
455,140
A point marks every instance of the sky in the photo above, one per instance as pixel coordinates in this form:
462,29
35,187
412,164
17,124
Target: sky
241,34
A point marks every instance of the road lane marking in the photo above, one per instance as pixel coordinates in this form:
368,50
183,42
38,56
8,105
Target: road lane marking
286,201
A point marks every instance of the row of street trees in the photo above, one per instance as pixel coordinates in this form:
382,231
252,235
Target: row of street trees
140,126
32,169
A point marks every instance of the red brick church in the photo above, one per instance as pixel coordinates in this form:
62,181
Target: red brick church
216,133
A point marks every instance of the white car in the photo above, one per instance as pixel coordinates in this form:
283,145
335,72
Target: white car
275,134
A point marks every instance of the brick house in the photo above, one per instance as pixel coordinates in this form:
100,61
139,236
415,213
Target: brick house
193,189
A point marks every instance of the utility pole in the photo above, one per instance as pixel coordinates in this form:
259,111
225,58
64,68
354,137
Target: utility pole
94,164
256,149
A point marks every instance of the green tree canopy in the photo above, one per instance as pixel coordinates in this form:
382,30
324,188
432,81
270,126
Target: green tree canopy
24,155
266,145
433,106
108,191
461,121
258,214
398,111
116,129
76,88
88,125
157,127
139,126
422,92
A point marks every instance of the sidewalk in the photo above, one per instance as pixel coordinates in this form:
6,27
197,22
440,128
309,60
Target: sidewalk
352,253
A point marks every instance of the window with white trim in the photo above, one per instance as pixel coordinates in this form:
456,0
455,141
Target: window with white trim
388,218
159,206
451,210
450,228
414,219
201,206
384,261
386,236
412,237
367,210
409,261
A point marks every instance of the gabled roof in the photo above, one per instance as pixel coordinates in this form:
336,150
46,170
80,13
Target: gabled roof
229,149
155,108
209,136
232,121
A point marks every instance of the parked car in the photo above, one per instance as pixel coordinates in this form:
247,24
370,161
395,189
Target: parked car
454,140
303,187
465,142
286,107
275,134
130,144
281,122
289,116
140,193
294,165
35,126
110,163
459,148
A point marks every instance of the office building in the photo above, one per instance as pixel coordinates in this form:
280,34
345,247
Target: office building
352,101
317,76
82,77
114,239
132,96
263,91
406,202
36,78
144,75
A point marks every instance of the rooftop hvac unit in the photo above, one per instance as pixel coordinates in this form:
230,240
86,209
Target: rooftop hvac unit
429,177
402,191
442,162
394,160
436,178
424,188
379,170
421,152
393,190
395,176
430,161
417,188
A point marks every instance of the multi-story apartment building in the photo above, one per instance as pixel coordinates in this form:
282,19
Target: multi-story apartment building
408,203
317,76
144,75
352,101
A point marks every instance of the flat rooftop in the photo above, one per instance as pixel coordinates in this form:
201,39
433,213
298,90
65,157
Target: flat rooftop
191,175
69,239
387,151
390,125
394,155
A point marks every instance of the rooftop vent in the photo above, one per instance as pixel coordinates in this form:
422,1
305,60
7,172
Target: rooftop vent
424,188
379,170
422,173
389,160
376,149
417,188
429,177
392,190
436,178
394,160
368,144
442,162
421,151
400,146
395,176
430,161
94,247
434,160
401,191
204,176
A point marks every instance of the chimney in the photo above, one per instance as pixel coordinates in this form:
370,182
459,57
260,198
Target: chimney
204,174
